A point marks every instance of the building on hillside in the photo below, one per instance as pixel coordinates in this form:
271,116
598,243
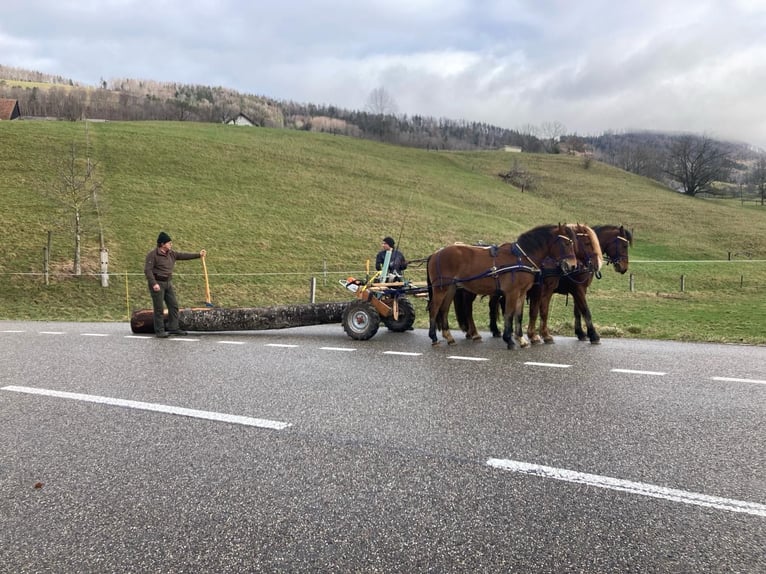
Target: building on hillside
9,109
240,120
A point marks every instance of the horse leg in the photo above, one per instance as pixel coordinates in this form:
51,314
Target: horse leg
433,312
582,304
518,316
578,323
535,300
508,326
545,304
495,302
443,314
471,331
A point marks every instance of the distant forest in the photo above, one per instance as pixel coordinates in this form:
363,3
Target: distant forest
731,169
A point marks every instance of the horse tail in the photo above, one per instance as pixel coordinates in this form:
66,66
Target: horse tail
460,307
429,284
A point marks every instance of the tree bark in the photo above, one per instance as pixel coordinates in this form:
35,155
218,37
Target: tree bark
245,318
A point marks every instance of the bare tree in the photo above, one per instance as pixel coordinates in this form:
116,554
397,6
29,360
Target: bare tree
75,187
695,163
381,102
550,134
758,177
519,176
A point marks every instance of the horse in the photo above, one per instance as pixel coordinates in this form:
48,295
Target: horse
589,259
509,269
615,241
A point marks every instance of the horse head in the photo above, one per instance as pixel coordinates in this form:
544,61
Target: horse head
615,242
588,248
550,247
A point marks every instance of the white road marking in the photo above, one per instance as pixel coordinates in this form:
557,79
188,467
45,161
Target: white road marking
557,365
402,353
641,488
281,345
231,342
732,380
52,332
632,372
137,337
208,415
94,334
11,331
336,349
459,358
185,339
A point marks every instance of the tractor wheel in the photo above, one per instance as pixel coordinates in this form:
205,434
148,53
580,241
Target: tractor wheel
360,320
406,317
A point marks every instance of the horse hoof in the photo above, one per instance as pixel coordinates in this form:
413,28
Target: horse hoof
535,340
595,341
434,343
451,342
549,341
476,338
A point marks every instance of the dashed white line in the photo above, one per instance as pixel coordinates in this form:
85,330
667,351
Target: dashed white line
632,372
281,345
402,353
337,349
52,333
556,365
641,488
231,342
194,413
94,334
137,337
459,358
185,340
12,331
733,380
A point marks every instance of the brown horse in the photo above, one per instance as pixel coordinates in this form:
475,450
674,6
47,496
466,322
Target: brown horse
589,262
615,241
509,269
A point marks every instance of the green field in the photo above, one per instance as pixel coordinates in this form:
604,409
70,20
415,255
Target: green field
277,207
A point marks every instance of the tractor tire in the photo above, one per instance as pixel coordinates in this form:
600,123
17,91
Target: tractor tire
406,318
360,320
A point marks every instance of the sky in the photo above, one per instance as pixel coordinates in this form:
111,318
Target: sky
591,66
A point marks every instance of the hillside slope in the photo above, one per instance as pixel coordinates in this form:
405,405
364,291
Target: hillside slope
273,207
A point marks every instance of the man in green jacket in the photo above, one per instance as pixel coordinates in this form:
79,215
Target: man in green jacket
158,269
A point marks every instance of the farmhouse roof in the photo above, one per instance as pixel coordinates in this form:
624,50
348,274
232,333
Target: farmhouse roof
241,120
9,109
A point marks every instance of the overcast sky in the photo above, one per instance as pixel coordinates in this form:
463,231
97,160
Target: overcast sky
591,65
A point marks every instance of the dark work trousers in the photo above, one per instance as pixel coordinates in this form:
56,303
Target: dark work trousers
167,295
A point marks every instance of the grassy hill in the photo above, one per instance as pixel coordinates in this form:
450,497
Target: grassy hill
276,207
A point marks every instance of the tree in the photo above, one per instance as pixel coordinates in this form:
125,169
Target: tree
381,102
694,163
75,187
550,134
758,177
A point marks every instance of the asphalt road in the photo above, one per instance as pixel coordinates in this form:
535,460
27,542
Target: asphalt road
302,450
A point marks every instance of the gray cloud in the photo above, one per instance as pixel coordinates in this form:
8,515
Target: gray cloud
596,65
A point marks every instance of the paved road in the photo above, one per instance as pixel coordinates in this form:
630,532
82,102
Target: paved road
303,450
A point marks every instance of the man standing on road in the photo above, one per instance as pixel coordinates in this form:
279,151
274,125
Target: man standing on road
158,269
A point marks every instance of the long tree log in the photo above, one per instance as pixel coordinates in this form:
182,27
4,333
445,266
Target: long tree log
245,318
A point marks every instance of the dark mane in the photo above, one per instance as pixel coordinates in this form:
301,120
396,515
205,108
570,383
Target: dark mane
538,237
